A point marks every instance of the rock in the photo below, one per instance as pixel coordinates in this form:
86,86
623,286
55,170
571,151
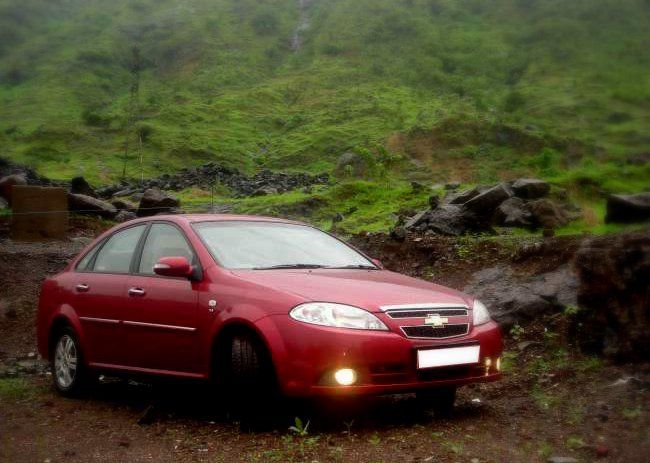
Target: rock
562,460
125,216
79,185
7,183
613,295
338,217
452,185
417,219
449,219
398,234
639,159
7,312
530,188
87,205
462,197
124,205
548,214
484,204
155,201
513,212
417,187
628,208
434,201
513,299
265,190
351,163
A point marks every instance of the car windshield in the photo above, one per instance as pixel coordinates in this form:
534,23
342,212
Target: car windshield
268,245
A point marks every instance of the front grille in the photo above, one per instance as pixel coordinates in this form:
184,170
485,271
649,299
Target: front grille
421,313
430,332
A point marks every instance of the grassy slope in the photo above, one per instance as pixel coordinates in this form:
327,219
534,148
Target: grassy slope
446,82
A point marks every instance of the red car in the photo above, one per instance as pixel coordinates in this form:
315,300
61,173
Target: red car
253,302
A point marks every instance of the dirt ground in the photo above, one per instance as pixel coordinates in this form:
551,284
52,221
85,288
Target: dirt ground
552,401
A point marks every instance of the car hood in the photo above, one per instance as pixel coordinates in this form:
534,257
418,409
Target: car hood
369,289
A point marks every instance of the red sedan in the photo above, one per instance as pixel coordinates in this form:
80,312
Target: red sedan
252,303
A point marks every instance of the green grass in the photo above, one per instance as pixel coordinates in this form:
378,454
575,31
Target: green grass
15,388
460,90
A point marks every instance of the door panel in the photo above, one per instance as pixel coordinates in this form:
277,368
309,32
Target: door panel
161,322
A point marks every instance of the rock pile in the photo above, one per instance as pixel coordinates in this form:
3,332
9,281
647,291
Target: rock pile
207,175
522,203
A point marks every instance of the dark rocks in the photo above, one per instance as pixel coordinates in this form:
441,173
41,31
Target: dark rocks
7,183
338,217
513,299
484,204
452,186
531,188
548,214
265,190
87,205
514,212
434,201
614,296
124,205
463,196
155,201
447,219
79,185
628,208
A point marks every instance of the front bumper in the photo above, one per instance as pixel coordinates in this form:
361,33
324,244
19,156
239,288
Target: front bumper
305,357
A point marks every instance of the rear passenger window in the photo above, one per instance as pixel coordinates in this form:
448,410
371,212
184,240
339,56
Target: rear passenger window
163,241
115,256
83,264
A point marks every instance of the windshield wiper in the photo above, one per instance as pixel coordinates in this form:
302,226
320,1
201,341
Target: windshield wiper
357,266
281,266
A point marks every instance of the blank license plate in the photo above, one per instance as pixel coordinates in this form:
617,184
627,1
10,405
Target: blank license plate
430,358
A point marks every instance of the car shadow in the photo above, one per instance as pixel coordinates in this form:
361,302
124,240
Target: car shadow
171,401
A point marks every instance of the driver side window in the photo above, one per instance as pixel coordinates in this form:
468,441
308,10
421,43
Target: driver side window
163,240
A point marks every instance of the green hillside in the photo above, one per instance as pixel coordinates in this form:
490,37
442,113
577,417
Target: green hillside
468,90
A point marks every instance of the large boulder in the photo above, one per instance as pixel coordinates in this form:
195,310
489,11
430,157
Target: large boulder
79,185
531,188
513,212
512,298
614,296
548,214
484,204
8,182
87,205
628,208
447,219
155,201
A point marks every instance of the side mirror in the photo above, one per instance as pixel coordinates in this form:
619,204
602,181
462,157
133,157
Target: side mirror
173,267
378,263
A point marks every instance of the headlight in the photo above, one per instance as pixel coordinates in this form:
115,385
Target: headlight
480,313
336,315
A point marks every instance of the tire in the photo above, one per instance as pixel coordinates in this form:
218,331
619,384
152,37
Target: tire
70,375
440,399
249,379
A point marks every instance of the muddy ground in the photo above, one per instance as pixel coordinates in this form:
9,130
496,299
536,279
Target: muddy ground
552,402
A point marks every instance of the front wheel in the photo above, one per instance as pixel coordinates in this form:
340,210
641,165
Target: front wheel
440,399
71,376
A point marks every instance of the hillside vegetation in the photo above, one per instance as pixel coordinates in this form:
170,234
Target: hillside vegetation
463,90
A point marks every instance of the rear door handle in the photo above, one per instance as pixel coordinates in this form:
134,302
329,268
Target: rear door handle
136,292
82,288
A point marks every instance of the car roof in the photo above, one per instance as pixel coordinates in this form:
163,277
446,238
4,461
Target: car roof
193,218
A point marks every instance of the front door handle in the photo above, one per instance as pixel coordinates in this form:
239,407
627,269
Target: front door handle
82,288
136,292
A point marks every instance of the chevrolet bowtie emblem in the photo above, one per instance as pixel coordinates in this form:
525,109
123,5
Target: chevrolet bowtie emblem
436,320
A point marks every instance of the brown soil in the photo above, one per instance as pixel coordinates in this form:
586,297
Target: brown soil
552,401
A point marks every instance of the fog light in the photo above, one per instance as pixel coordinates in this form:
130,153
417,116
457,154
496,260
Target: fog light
488,363
498,364
345,376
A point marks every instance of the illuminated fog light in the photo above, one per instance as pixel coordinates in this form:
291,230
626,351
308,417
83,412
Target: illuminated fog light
345,376
487,362
498,364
